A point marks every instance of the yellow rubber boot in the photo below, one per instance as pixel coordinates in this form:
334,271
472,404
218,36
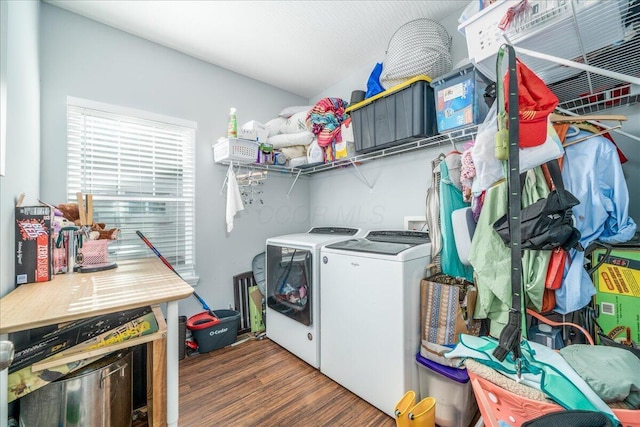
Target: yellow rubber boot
402,408
423,414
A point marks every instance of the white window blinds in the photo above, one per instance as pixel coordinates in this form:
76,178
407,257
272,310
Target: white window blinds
140,169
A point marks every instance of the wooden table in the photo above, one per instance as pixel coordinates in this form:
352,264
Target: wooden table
135,283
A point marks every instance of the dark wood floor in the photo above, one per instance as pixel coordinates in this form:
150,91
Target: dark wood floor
258,383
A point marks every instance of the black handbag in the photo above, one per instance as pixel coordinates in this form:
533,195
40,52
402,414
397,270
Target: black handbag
547,223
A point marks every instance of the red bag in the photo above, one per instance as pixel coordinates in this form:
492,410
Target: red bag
556,269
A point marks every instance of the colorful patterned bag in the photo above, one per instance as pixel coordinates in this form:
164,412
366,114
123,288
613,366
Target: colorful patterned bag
447,305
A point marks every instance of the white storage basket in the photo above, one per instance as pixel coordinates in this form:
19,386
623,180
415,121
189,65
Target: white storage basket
237,150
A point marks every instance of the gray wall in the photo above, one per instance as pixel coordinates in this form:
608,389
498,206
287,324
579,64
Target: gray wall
85,59
22,173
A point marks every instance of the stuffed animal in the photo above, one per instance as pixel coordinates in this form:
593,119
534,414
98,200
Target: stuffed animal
70,212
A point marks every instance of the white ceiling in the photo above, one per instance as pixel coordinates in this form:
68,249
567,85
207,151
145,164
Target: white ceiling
301,46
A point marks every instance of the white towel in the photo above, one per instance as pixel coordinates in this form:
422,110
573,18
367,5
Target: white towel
234,199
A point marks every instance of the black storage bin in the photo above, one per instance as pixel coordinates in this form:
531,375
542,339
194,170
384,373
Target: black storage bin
401,114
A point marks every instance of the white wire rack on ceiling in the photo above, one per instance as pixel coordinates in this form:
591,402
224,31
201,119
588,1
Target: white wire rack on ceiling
587,92
603,34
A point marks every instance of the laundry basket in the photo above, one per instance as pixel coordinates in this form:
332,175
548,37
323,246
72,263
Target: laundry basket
419,47
502,407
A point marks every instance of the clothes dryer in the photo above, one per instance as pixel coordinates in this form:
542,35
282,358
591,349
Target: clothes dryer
292,289
370,304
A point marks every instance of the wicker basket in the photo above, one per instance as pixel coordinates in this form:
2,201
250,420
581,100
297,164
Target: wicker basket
237,150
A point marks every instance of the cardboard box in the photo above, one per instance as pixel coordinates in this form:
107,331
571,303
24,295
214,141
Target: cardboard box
255,310
34,244
25,380
347,147
71,334
135,328
617,283
253,131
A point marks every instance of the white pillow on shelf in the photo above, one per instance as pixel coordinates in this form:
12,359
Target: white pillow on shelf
296,123
290,111
276,126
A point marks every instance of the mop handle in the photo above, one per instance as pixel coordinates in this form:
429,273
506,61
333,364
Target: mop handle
168,264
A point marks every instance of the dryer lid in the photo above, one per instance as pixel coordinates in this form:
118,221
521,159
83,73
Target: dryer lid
342,231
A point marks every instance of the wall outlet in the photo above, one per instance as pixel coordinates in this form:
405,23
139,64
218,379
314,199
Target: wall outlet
415,223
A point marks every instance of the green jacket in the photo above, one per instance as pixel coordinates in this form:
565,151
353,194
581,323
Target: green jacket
491,260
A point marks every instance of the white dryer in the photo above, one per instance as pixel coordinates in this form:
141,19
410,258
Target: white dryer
370,304
292,289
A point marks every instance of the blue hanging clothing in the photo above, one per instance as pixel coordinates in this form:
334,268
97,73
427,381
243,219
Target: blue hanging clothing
450,200
592,172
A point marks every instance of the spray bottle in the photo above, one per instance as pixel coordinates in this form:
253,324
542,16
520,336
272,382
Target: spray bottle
232,129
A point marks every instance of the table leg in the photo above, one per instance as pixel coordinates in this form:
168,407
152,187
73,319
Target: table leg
4,385
172,364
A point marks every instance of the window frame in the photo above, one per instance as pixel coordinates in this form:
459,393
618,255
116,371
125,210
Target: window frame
160,170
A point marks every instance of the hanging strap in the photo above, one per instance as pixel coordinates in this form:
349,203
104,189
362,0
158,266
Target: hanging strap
556,177
512,333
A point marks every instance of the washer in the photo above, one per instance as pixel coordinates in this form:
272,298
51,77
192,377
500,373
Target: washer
370,304
292,285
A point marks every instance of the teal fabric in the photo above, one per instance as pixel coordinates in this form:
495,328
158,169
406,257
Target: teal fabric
613,373
491,258
450,200
542,368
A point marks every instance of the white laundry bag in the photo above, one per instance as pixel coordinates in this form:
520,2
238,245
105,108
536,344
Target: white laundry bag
419,47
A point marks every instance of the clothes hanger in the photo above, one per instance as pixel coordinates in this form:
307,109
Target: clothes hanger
584,138
558,118
435,163
573,131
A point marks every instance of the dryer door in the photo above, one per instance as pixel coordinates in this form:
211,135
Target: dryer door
289,287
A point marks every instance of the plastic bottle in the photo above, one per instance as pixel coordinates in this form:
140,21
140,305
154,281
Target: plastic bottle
232,129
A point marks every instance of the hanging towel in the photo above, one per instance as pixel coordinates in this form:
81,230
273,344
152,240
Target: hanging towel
234,199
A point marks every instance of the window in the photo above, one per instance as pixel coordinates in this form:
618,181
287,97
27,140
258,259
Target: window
140,169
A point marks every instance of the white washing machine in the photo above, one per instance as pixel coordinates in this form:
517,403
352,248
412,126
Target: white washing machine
370,304
292,289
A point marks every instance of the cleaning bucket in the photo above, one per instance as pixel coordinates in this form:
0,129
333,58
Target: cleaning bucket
402,409
212,332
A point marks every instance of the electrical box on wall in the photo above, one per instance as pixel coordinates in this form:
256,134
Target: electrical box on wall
415,223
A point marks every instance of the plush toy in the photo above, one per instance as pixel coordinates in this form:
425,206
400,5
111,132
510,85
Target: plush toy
70,212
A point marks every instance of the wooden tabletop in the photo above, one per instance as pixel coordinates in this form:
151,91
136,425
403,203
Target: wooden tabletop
74,296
